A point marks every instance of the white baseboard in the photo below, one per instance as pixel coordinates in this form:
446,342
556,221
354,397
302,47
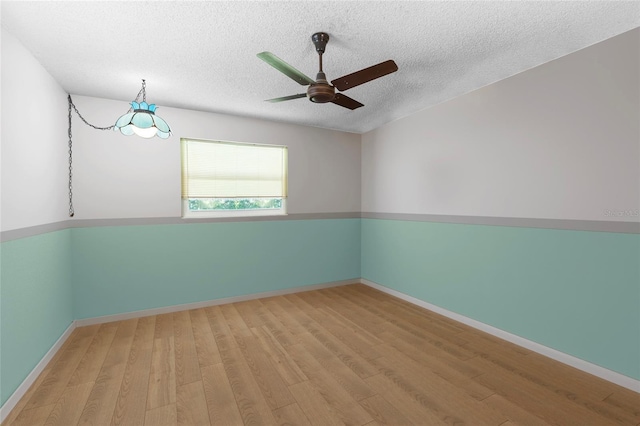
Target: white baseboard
580,364
33,375
207,303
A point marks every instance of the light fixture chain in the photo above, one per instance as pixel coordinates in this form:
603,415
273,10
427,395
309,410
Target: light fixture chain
71,211
72,106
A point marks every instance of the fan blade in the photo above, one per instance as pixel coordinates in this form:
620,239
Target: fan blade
285,68
287,98
359,77
345,101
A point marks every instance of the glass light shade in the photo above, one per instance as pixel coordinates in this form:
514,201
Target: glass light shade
143,122
147,133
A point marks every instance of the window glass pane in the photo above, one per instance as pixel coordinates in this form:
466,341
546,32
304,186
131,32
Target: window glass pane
213,204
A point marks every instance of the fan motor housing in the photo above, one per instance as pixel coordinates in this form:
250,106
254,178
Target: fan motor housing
321,93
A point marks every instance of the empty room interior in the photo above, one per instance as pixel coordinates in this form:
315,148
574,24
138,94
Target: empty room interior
320,213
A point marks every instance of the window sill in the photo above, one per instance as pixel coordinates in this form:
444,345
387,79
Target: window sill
231,215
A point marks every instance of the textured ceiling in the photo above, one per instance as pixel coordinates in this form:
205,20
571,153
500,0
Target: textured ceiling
202,55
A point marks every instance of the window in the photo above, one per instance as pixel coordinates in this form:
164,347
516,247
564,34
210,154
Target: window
233,179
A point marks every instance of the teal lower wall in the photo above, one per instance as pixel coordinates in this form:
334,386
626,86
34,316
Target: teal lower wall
35,303
51,279
130,268
574,291
577,292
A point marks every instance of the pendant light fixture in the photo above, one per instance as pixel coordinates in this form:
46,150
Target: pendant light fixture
142,121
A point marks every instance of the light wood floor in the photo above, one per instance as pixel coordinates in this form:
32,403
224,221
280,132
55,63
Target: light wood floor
346,355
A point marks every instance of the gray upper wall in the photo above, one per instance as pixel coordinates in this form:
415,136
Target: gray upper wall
119,177
34,162
560,141
555,144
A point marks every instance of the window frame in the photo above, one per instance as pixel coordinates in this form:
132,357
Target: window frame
186,213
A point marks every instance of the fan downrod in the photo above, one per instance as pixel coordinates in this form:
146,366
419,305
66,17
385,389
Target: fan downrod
321,92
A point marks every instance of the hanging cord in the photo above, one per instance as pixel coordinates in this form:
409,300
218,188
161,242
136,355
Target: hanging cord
142,92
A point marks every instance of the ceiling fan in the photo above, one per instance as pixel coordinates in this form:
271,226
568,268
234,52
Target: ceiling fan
320,91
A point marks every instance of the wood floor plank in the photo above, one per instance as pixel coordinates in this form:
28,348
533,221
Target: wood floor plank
164,326
56,380
352,310
626,401
275,306
340,390
313,359
340,401
295,311
69,407
505,365
248,311
415,408
101,402
546,404
356,329
271,384
383,412
425,386
161,416
252,406
118,354
346,355
163,354
130,406
234,321
422,321
275,327
395,322
352,340
191,405
221,402
327,348
186,358
162,376
316,409
388,302
441,361
280,359
538,369
206,346
426,341
291,415
219,326
451,369
91,362
514,412
32,417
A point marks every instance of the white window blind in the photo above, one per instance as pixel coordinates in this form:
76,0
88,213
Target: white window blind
212,169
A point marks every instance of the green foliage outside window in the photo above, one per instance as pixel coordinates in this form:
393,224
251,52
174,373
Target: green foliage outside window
206,204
